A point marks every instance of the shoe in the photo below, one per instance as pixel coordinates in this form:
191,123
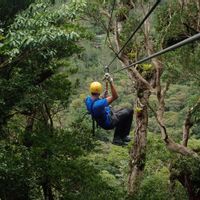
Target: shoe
127,139
119,142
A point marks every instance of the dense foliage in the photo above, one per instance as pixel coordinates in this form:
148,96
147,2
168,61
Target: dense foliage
50,51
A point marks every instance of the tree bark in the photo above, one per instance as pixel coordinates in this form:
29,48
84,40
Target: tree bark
186,129
138,151
47,190
188,123
170,144
185,180
28,130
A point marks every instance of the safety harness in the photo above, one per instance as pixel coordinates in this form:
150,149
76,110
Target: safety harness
92,115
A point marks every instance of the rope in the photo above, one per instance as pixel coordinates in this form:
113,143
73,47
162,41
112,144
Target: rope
137,28
173,47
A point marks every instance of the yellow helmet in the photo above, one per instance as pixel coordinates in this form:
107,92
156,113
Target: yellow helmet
96,87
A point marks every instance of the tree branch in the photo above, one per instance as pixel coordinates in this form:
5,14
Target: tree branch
43,76
135,74
97,21
117,34
188,124
170,144
105,13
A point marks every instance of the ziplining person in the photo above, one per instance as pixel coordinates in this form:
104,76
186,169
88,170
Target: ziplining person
120,120
99,108
107,118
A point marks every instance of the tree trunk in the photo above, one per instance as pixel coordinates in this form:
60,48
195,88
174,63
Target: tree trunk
48,124
186,129
28,130
47,190
138,151
184,179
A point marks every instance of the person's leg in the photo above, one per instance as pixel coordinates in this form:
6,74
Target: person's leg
127,122
123,126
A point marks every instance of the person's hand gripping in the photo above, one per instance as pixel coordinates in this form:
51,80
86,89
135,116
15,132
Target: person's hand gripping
108,77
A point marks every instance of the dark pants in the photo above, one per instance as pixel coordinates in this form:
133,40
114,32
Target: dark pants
122,120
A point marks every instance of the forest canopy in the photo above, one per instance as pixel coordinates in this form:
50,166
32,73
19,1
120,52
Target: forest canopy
50,52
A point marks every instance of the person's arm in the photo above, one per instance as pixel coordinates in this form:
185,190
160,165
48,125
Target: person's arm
104,95
114,94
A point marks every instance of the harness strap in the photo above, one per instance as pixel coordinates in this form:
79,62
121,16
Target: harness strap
93,126
91,108
93,119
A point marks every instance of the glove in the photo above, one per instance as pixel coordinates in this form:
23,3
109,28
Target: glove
108,77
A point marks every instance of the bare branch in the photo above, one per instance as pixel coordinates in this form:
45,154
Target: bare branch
188,123
170,144
49,116
138,77
135,74
186,128
105,13
97,21
132,4
117,32
161,93
20,57
110,45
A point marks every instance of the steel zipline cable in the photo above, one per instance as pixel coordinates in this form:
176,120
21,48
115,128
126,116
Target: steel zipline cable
173,47
137,28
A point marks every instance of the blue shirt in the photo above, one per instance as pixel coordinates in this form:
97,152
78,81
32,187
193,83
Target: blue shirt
100,111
